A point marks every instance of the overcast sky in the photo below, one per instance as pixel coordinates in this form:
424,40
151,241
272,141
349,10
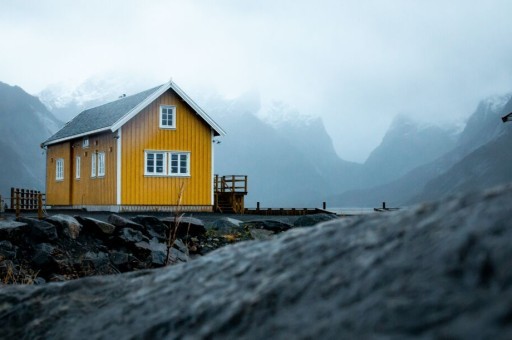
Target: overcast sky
354,63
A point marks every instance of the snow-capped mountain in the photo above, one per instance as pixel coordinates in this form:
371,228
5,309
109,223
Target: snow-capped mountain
67,99
406,145
24,124
479,159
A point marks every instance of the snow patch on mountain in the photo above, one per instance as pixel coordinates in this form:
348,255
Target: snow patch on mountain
67,99
277,113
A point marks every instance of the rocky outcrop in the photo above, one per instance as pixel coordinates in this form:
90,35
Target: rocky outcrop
64,247
439,270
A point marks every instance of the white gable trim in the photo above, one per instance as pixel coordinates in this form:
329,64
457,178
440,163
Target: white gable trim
196,108
170,85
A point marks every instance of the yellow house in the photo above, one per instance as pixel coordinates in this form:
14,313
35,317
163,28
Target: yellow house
152,151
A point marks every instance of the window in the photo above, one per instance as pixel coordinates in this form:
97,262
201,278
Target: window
155,163
85,142
59,169
165,163
77,170
167,117
178,164
93,164
101,164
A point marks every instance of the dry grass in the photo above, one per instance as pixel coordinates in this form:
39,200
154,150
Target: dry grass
171,238
12,274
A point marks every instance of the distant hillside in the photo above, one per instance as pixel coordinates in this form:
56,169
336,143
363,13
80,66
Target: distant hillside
406,145
484,126
24,124
486,166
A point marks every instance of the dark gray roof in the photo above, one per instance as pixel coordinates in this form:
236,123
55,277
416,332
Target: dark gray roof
100,117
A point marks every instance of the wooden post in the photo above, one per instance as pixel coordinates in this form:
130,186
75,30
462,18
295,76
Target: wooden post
40,206
17,193
324,205
12,199
245,184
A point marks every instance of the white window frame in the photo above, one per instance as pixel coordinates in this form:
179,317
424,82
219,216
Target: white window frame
93,164
59,169
101,164
77,165
163,109
167,157
154,172
85,142
179,169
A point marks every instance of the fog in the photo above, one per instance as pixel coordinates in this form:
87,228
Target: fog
355,64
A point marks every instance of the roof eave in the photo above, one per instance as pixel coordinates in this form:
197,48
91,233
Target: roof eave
60,140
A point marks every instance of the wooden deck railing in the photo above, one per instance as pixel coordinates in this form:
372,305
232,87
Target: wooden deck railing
27,200
231,183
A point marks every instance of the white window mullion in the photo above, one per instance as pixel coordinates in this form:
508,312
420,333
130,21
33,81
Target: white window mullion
101,164
77,164
59,169
93,164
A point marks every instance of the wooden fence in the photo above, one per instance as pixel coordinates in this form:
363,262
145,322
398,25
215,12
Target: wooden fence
27,200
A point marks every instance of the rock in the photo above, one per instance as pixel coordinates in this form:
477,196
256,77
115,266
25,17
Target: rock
311,220
43,255
95,226
7,250
66,225
40,231
153,226
13,231
271,225
119,258
129,235
437,270
261,234
185,226
225,224
122,222
96,260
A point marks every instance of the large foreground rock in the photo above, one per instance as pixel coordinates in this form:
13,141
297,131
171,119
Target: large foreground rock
440,270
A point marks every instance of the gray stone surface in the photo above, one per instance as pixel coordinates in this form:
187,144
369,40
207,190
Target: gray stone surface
66,225
96,226
440,270
40,231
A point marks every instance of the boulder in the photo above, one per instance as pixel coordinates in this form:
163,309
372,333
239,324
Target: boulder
225,225
43,255
153,227
13,231
436,270
270,225
119,258
129,236
7,250
185,226
66,225
96,260
40,231
122,222
96,227
314,219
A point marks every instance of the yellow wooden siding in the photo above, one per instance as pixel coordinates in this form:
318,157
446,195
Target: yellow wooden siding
142,133
94,190
57,191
